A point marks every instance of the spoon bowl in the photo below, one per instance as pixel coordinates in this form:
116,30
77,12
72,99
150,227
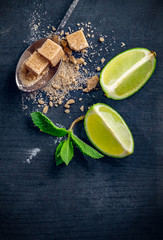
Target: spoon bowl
45,79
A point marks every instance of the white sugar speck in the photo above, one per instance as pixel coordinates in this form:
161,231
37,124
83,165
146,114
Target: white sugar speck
32,153
122,44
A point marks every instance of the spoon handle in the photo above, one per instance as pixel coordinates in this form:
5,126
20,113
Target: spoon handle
67,15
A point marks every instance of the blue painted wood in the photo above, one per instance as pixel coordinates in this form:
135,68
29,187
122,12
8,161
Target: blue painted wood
89,199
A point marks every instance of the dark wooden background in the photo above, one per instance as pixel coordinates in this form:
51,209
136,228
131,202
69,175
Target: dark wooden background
90,199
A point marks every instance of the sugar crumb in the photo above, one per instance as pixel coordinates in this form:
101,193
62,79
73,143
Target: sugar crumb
51,104
40,101
98,69
101,39
102,60
45,109
67,106
67,111
71,101
62,33
53,28
82,108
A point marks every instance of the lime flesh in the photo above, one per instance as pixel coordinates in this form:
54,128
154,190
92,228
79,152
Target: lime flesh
108,132
127,73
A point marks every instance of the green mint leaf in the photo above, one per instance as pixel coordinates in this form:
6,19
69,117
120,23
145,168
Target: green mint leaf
85,148
46,126
67,151
58,158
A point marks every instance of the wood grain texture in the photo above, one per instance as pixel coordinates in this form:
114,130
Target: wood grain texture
90,199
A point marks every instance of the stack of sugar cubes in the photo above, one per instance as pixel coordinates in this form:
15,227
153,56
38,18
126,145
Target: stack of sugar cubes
50,53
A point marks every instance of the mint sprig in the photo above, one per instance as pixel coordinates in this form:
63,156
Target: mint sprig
65,150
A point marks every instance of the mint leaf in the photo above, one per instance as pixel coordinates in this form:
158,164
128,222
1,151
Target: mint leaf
46,126
58,158
67,151
86,149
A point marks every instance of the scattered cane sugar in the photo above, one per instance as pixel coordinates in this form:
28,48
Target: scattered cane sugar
68,78
74,74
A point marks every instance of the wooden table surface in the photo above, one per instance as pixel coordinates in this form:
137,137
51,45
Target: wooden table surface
107,199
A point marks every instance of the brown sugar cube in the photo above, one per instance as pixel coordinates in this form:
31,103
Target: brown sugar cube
51,51
77,41
36,63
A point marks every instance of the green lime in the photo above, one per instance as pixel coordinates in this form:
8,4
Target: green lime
108,132
126,73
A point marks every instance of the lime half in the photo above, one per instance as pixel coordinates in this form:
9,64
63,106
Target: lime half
108,132
126,73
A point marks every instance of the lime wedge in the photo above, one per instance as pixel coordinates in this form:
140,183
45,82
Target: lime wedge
108,132
126,73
